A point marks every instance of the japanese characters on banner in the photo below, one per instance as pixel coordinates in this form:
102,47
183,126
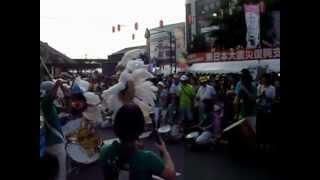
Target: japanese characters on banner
252,15
235,55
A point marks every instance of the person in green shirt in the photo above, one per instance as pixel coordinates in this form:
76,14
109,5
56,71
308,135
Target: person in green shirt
128,154
187,95
53,133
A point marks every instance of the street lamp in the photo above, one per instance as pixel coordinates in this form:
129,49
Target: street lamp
214,15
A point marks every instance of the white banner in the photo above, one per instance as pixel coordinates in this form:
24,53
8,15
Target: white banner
252,15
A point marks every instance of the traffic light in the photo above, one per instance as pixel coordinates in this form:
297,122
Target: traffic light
118,27
161,23
136,26
113,29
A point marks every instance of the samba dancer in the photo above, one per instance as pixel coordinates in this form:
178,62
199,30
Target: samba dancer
133,86
55,141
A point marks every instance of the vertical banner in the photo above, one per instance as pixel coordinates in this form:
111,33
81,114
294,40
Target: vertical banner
252,15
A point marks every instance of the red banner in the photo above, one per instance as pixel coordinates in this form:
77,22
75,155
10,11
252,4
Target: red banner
235,55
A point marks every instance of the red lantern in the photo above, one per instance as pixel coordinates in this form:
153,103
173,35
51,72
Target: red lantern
136,26
113,29
262,7
190,19
133,36
161,23
118,27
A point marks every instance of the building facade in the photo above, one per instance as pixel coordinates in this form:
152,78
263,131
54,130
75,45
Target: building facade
198,19
162,52
109,66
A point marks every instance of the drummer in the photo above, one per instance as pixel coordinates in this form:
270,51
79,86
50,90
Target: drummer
161,102
206,124
54,137
205,91
129,124
92,114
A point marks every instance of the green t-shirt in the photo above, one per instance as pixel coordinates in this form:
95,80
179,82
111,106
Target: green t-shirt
50,115
142,164
187,94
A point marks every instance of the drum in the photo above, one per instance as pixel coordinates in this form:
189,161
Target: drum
176,132
193,135
71,127
240,134
164,129
79,154
191,138
110,141
85,145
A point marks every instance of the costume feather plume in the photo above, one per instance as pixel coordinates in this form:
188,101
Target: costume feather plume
144,90
130,55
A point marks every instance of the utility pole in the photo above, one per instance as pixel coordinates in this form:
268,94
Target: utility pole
171,59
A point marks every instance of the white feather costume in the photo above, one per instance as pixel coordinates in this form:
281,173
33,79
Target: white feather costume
144,91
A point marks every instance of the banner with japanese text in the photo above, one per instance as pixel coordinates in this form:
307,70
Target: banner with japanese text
235,55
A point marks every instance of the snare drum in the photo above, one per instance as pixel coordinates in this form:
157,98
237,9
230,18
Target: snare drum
164,131
191,138
79,154
193,135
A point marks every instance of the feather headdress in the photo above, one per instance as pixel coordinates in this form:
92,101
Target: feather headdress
144,90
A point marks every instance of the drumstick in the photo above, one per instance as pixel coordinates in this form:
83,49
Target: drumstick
233,125
46,68
160,178
145,135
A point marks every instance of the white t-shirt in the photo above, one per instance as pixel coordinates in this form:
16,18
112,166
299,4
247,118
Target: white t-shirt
270,91
174,89
206,92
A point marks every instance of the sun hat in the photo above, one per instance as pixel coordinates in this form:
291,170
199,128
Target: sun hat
161,84
91,98
46,86
203,79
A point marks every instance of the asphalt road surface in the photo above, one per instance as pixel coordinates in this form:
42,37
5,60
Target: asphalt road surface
213,164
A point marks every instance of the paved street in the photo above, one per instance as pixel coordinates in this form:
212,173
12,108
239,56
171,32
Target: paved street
205,165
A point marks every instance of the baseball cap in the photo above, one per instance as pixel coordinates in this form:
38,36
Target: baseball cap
184,78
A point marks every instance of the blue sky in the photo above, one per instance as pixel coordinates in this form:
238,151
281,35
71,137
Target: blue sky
80,27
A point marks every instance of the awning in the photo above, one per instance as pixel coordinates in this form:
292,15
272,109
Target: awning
234,66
